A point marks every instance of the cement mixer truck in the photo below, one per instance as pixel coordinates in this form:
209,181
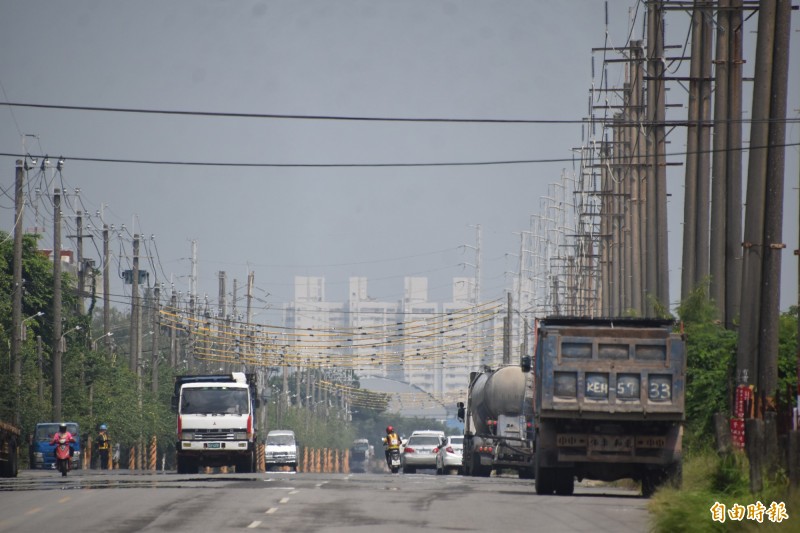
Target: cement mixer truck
497,422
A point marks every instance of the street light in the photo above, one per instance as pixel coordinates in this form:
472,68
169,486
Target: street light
62,345
94,342
23,331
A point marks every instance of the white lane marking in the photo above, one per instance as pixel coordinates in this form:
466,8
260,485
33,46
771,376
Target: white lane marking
254,525
318,485
271,510
294,492
284,500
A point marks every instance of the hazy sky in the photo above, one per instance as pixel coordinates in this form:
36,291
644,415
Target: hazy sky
370,58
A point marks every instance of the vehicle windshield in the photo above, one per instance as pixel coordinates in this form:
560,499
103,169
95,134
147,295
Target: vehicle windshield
361,447
214,401
458,441
46,431
280,440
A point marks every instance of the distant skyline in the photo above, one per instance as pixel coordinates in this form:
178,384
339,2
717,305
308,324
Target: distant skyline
354,58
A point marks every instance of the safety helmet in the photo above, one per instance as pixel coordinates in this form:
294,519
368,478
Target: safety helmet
389,429
62,428
103,427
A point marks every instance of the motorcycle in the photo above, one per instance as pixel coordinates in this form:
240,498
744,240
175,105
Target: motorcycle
393,460
63,454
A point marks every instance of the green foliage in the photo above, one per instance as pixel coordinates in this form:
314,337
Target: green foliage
708,479
710,367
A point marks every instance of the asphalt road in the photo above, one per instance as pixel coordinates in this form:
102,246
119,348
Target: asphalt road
124,501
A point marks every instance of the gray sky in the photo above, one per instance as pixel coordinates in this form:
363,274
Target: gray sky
374,58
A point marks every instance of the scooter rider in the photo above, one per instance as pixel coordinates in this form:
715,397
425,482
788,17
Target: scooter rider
391,442
63,433
68,438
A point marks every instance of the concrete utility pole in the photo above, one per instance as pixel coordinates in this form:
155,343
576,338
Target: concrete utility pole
656,224
173,332
135,329
773,209
747,355
106,288
193,282
16,299
250,280
733,224
56,313
696,201
507,332
79,261
156,325
718,256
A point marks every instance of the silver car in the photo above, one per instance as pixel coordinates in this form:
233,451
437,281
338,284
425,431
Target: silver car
448,455
419,451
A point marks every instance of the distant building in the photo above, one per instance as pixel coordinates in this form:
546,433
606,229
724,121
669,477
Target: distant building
431,346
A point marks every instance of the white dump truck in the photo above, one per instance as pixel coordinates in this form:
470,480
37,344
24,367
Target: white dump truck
216,421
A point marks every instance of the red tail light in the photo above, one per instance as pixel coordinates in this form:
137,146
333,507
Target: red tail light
449,449
180,426
529,425
409,450
436,450
249,426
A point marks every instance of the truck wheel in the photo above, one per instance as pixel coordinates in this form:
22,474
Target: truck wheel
186,465
545,482
564,482
245,465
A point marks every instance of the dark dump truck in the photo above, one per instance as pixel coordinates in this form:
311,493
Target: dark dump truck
609,402
9,449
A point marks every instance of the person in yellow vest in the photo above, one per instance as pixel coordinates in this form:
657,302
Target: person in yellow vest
391,442
102,445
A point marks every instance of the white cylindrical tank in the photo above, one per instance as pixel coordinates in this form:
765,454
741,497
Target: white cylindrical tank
501,392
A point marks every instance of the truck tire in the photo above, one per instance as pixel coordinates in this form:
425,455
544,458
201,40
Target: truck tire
478,470
186,465
564,482
246,465
545,480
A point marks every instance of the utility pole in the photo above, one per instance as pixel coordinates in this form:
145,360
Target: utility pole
718,244
747,354
106,288
733,225
773,209
250,279
79,260
16,300
656,224
193,282
507,332
156,325
173,332
135,329
57,346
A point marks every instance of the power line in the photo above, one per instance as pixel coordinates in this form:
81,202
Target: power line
295,117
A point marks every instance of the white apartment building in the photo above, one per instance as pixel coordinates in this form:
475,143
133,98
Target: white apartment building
432,346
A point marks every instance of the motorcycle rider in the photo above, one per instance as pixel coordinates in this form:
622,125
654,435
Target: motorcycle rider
67,436
391,442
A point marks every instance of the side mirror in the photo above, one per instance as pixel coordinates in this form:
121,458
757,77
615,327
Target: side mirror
460,413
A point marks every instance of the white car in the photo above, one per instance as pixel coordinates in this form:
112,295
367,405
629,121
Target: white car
418,450
448,455
281,449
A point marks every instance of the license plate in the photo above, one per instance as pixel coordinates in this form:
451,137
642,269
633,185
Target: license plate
650,442
213,444
571,440
610,444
